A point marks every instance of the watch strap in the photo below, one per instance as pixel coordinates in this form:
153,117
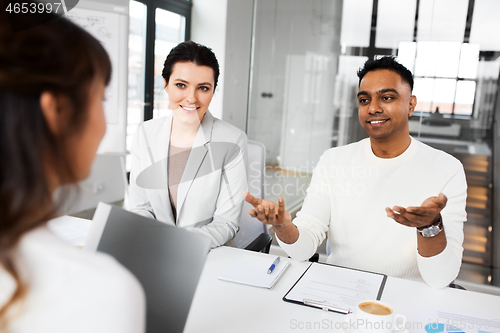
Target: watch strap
431,230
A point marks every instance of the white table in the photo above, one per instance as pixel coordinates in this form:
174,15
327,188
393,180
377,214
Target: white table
220,306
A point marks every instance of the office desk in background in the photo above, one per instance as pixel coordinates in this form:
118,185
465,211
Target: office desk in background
220,306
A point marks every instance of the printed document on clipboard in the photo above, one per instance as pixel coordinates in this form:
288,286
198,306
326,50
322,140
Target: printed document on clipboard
335,288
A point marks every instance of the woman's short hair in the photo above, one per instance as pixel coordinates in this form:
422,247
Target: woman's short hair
190,51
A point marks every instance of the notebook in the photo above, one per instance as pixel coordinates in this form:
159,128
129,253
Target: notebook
166,260
252,271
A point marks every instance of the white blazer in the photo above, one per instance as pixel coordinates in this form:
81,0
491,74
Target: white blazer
210,193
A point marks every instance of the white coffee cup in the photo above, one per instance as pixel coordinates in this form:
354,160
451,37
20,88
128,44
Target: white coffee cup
378,317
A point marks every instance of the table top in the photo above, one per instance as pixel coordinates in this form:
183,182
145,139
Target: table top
220,306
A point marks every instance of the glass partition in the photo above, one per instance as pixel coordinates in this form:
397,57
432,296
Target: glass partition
303,88
296,55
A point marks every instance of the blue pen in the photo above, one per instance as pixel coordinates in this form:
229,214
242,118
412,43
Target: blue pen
273,266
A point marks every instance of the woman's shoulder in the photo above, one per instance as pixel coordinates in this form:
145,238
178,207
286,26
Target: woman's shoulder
224,129
90,288
44,255
155,123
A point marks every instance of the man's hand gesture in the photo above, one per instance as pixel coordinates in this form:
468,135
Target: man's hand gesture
269,212
426,214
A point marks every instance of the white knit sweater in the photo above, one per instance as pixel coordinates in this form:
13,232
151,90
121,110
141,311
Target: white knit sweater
346,200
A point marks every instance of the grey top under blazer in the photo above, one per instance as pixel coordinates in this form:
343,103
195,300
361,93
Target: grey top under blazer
210,192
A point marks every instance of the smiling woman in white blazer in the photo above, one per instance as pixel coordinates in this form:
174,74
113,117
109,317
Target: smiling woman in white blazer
189,168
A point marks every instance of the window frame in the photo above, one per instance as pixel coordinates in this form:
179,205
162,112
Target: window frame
181,7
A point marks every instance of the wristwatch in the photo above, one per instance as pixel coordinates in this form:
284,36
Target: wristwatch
431,230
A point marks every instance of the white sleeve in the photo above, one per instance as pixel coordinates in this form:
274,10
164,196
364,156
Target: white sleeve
440,270
138,200
313,220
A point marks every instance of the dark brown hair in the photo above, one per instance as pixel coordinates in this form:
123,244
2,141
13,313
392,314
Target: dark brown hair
386,62
57,57
190,51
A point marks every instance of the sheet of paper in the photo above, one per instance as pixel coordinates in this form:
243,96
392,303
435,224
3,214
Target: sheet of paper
252,271
431,320
336,286
71,229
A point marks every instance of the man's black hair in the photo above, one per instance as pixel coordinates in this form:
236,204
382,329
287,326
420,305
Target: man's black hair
387,62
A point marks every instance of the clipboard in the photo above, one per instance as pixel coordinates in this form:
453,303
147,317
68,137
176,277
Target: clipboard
335,288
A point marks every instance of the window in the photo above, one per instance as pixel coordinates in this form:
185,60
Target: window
445,75
170,31
155,26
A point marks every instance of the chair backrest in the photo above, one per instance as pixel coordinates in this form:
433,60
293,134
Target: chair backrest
251,228
106,183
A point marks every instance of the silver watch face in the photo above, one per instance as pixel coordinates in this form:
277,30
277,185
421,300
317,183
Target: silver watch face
431,231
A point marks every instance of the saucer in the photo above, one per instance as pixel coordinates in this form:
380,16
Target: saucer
352,317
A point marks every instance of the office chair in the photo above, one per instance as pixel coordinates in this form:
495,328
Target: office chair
253,234
106,183
455,286
315,256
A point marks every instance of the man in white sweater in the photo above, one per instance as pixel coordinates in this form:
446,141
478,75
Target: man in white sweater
388,203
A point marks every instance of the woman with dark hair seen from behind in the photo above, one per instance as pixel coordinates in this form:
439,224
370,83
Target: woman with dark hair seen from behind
52,82
189,168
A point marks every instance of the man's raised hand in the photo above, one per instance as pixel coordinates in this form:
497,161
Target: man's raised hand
272,213
267,211
428,213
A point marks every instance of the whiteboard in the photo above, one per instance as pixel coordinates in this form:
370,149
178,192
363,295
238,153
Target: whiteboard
104,27
111,29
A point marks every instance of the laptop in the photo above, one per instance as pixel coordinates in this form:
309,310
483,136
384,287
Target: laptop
168,261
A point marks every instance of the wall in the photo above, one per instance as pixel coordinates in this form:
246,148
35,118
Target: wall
107,181
237,68
115,40
86,3
208,27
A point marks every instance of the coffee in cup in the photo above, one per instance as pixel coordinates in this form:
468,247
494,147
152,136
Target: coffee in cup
378,317
375,308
